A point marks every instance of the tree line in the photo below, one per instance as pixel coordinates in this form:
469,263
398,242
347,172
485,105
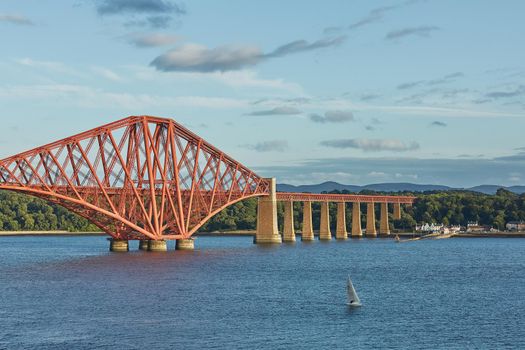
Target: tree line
447,207
19,212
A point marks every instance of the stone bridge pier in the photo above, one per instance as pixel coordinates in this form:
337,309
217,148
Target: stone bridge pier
268,232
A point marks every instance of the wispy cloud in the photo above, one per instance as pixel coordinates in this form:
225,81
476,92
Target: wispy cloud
373,16
106,73
519,157
372,145
16,19
332,117
464,155
198,58
89,97
268,146
153,40
156,22
369,97
116,7
141,13
409,85
443,80
51,66
377,14
421,31
480,101
519,91
303,45
438,123
276,111
431,110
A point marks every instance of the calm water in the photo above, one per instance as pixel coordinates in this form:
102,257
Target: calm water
69,293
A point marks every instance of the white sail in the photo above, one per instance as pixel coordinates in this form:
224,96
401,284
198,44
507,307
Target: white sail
353,299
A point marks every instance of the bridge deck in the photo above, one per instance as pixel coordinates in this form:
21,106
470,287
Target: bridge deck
315,197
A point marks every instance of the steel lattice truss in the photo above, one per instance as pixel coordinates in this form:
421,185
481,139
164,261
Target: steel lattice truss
137,178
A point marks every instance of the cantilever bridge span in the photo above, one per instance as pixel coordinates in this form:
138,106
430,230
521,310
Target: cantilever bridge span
151,179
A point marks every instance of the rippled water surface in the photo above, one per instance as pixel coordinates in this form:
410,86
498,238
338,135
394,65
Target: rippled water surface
70,293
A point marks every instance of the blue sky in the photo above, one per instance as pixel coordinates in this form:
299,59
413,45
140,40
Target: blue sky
352,91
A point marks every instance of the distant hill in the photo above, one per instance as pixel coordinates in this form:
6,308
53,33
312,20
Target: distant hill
491,189
325,186
398,187
391,187
517,189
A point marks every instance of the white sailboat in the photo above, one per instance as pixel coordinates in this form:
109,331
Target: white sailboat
353,299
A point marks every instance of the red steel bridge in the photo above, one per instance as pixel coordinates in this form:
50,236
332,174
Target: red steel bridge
145,178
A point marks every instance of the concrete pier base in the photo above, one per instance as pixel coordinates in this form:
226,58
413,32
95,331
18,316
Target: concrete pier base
288,229
157,246
384,229
143,244
118,245
340,232
267,230
185,244
397,211
307,233
357,232
324,229
371,220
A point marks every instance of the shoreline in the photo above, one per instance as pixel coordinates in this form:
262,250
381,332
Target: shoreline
48,233
244,233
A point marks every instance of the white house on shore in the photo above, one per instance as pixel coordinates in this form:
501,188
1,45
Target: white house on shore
515,226
429,228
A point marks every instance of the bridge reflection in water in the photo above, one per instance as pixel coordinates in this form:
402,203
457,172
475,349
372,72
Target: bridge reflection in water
150,179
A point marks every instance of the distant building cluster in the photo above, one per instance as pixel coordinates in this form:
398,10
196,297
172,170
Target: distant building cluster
472,227
438,228
515,226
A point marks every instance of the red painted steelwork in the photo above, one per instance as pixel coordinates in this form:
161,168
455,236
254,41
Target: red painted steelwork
312,197
138,178
143,178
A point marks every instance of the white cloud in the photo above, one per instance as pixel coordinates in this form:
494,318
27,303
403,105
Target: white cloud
406,176
16,19
153,40
515,177
106,73
377,174
372,145
53,66
332,117
242,79
85,96
319,176
198,58
460,111
236,79
248,78
281,110
269,146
